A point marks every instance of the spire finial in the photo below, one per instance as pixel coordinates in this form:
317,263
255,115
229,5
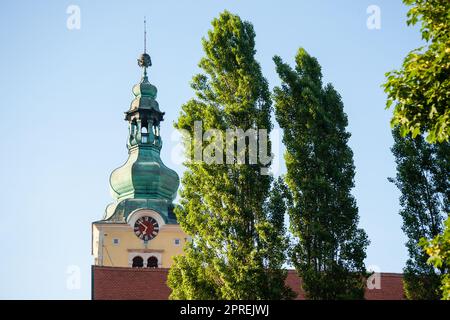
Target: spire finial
145,35
144,60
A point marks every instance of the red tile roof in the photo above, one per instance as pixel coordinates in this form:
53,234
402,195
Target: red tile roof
114,283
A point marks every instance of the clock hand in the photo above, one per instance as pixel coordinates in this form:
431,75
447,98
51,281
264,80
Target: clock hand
142,224
145,230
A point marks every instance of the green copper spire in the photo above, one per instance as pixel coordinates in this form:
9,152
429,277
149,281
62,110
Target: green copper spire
143,182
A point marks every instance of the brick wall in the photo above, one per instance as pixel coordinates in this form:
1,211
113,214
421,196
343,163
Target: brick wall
113,283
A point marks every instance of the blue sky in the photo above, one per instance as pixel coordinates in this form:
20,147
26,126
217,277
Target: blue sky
63,93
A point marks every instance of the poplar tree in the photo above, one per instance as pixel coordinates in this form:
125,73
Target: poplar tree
330,249
423,172
235,231
420,92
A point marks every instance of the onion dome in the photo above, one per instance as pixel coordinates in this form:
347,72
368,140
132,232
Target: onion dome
143,180
144,176
144,92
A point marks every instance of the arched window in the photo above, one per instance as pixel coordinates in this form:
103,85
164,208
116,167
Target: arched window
138,262
144,135
152,262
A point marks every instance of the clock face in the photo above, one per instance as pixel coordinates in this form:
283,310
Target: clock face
146,228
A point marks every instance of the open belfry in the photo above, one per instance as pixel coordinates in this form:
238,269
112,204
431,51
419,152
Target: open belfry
139,229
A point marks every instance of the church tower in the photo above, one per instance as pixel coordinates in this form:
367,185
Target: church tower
139,229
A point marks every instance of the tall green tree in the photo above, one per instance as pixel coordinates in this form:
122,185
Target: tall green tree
330,250
423,172
420,90
234,252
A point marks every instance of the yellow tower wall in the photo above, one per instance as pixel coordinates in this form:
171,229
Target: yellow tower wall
116,245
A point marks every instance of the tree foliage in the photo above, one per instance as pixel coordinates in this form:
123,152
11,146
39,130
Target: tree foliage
422,178
237,249
439,251
330,249
420,90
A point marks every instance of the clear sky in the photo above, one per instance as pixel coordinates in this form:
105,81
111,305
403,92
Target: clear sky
63,93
